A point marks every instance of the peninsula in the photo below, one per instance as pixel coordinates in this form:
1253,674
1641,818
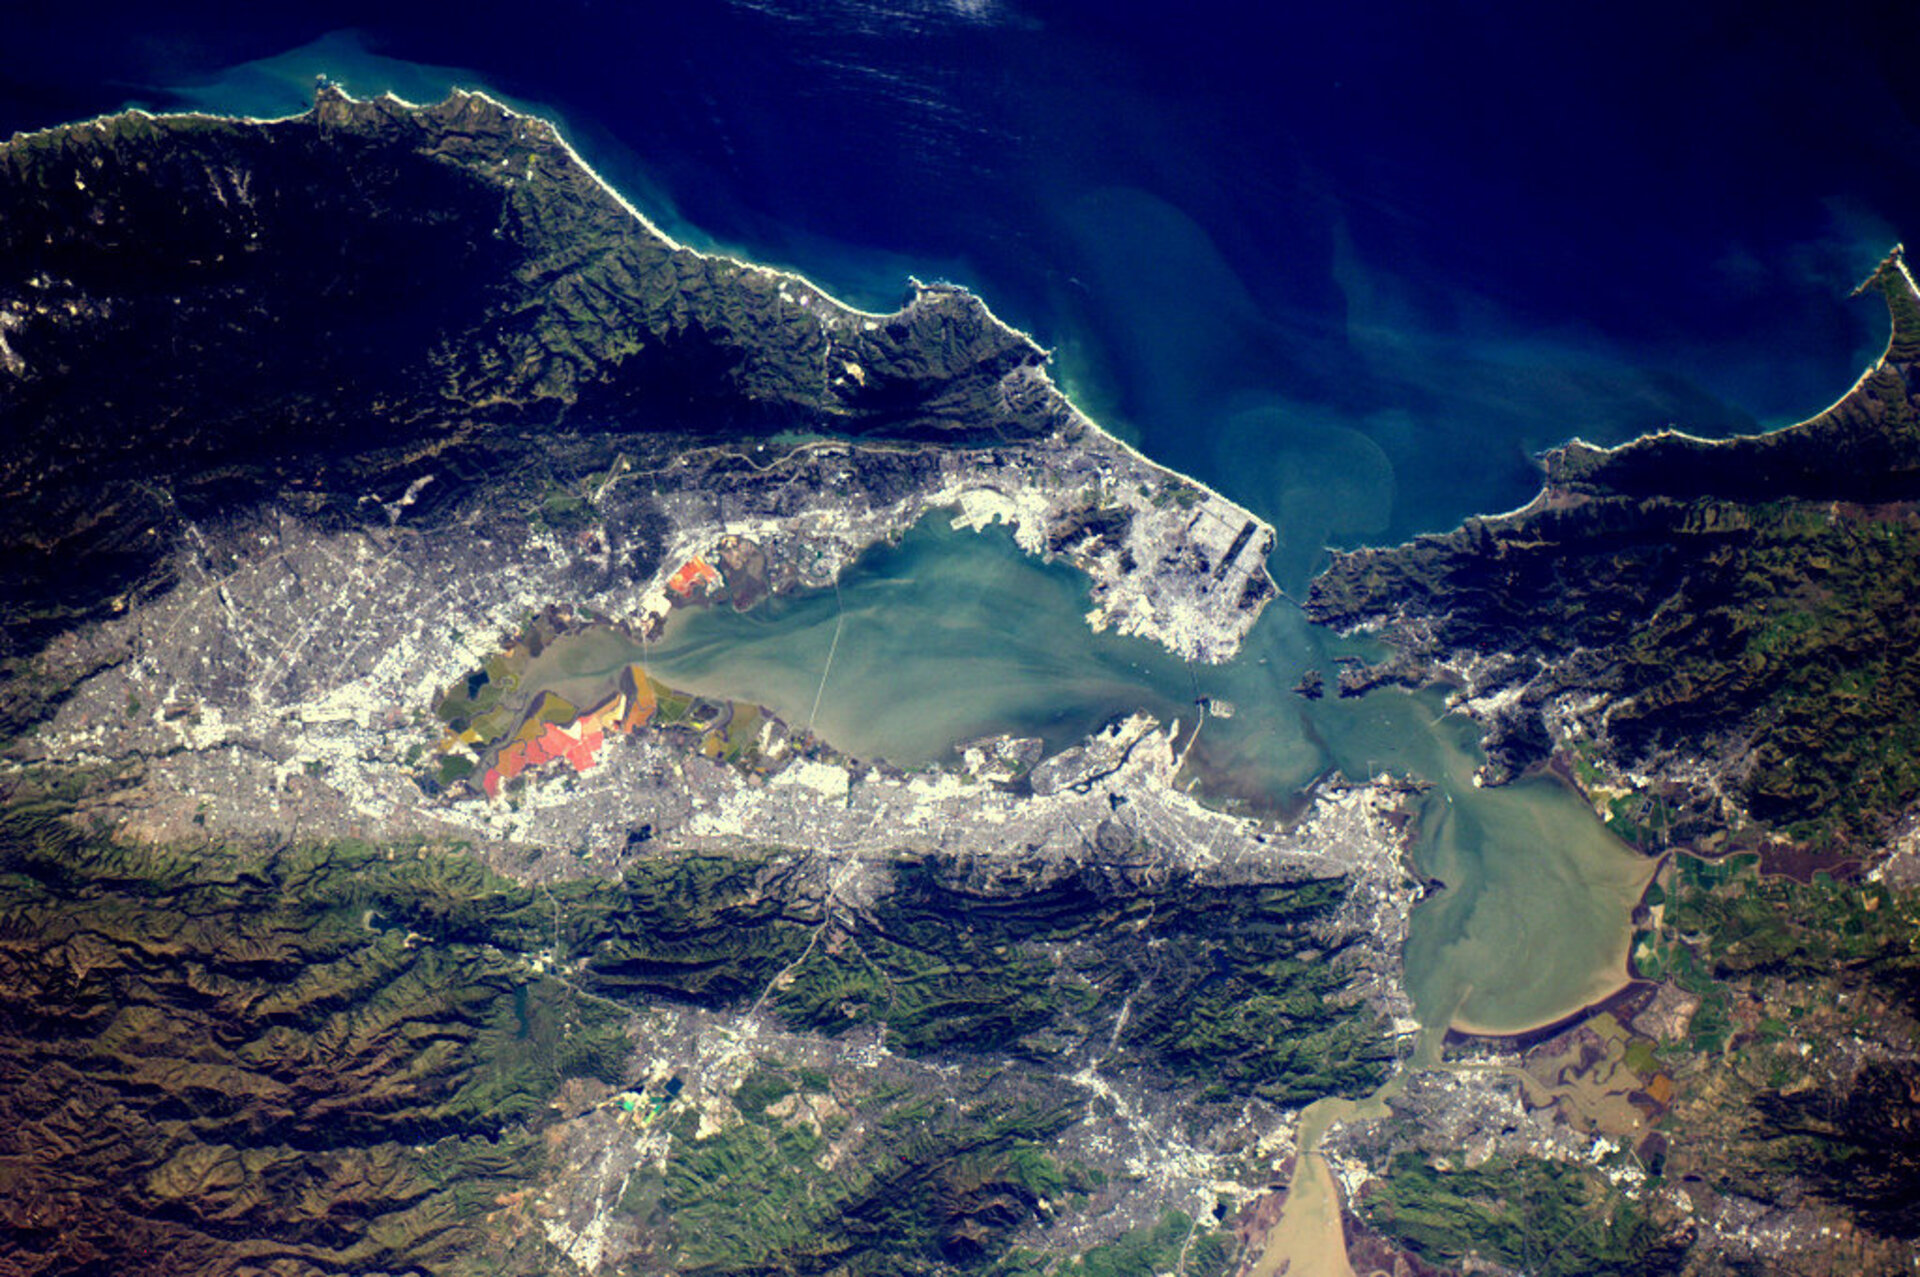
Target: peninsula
374,901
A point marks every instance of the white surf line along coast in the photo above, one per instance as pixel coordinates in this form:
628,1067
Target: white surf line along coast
1110,441
1169,602
1175,631
1897,257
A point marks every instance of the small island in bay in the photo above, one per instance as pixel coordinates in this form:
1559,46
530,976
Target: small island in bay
390,884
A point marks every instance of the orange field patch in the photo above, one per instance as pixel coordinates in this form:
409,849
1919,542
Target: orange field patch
695,574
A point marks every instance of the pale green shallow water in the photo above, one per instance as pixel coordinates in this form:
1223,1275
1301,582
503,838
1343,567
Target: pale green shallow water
948,636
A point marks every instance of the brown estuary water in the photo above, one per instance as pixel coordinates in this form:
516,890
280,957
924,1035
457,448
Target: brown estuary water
946,636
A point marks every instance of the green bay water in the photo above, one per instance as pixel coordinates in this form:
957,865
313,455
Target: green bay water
1343,314
951,635
1331,391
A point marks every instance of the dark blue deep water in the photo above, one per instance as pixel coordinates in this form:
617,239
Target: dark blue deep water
1353,270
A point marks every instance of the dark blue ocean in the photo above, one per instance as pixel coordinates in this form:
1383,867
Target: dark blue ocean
1353,270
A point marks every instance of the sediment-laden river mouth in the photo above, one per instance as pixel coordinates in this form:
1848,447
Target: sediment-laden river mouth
948,636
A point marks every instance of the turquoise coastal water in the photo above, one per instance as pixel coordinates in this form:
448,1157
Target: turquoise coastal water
1349,276
1352,271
